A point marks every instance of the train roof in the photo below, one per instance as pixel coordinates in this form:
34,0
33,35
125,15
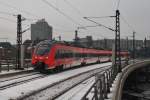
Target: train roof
51,42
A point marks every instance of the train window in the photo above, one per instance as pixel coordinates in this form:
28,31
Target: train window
63,54
77,55
66,54
58,54
95,55
80,55
70,54
87,55
43,49
84,55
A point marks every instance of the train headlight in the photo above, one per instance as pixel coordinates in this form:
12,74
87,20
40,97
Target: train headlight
35,57
46,57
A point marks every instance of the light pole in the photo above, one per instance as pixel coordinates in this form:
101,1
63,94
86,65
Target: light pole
133,46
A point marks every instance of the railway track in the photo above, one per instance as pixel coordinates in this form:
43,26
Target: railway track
17,73
78,91
19,79
56,89
52,88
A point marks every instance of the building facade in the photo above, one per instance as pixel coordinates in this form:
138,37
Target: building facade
41,31
108,43
7,51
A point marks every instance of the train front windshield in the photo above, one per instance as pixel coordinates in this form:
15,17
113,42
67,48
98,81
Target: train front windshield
43,49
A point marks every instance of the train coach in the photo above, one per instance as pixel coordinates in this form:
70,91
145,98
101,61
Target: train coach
58,56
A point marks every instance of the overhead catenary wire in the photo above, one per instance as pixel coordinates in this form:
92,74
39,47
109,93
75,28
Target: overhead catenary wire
82,16
15,15
118,3
60,29
7,19
17,9
126,22
101,25
62,13
7,13
76,9
130,26
12,14
73,7
79,13
87,27
101,17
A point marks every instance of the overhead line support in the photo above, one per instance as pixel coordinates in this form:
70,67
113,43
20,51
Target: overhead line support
117,43
133,46
19,41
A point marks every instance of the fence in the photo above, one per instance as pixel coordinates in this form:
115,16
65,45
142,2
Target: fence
100,88
9,64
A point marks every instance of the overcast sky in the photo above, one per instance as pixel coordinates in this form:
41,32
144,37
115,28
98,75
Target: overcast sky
135,12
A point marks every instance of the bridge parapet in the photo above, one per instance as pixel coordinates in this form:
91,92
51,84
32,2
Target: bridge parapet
117,86
106,87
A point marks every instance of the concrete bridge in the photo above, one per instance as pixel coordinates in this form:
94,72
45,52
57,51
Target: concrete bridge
133,83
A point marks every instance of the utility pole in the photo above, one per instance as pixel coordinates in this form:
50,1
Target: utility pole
76,35
127,44
127,49
76,38
59,38
133,46
145,47
19,42
117,43
105,43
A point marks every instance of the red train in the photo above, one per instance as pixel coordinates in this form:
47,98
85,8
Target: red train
53,55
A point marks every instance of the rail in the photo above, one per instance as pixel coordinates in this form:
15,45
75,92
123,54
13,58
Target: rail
11,82
62,86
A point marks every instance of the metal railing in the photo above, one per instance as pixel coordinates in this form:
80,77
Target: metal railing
101,87
8,64
103,82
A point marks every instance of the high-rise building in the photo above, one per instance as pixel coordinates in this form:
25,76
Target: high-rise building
41,30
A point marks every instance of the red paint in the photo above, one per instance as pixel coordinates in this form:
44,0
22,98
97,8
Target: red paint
49,59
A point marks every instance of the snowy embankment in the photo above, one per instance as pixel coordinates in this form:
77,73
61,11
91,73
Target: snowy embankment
25,89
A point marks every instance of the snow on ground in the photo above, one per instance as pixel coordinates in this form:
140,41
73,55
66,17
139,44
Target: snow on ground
2,79
19,80
79,91
21,90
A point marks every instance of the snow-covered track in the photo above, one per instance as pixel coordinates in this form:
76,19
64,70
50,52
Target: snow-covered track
58,88
19,79
15,73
